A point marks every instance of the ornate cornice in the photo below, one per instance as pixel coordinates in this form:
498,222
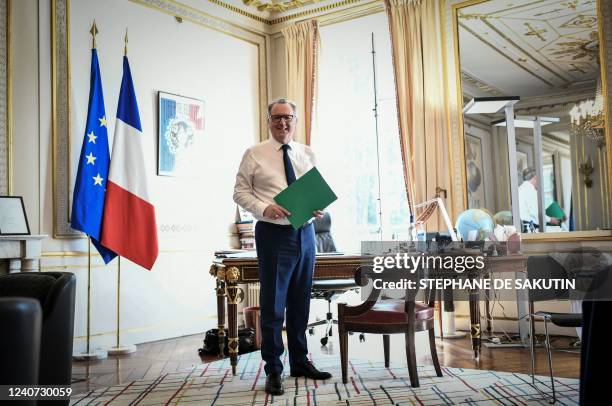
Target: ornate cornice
278,6
240,11
480,85
275,9
317,10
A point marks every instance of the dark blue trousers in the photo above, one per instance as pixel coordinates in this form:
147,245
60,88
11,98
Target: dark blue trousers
286,264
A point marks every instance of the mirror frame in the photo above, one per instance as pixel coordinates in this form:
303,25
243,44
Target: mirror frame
449,17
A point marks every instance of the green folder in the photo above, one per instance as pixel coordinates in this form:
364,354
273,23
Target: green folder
308,193
554,210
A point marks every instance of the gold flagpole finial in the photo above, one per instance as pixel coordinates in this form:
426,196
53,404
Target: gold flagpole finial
94,31
126,42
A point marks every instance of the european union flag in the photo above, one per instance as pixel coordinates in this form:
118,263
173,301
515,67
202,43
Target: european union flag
92,174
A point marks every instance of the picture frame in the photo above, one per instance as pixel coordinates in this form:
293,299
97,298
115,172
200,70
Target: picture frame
522,163
13,218
475,172
180,133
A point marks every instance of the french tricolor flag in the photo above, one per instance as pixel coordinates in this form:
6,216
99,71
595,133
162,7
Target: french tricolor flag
129,227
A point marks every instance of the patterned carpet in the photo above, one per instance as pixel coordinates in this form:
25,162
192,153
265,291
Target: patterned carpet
369,383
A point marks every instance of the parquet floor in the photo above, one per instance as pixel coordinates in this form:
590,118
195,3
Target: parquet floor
156,358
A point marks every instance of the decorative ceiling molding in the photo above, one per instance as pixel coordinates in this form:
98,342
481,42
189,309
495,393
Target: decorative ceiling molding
276,15
278,6
517,62
240,11
317,10
556,43
480,85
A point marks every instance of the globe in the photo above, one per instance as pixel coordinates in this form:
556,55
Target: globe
474,224
503,218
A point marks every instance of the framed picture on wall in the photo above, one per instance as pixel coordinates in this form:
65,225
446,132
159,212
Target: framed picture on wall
13,219
522,163
475,172
180,133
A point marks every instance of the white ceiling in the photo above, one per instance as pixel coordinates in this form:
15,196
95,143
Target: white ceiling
528,47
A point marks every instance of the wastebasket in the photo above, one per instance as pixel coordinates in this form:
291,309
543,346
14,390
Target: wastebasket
252,320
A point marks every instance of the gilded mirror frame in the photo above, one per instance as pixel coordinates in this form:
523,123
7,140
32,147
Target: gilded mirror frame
6,81
455,102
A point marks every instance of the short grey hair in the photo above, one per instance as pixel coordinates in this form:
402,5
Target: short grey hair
283,100
529,173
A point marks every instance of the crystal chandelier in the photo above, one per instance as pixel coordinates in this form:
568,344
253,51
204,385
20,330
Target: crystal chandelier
587,118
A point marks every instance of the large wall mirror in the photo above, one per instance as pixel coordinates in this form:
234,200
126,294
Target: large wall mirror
547,53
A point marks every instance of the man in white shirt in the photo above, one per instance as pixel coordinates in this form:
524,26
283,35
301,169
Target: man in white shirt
528,200
285,256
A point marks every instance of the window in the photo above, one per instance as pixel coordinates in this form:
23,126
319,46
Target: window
345,135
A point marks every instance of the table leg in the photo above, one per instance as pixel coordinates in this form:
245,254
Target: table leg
488,314
221,315
234,295
475,321
521,305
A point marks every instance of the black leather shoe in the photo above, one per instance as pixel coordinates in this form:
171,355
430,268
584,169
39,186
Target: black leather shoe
274,384
309,371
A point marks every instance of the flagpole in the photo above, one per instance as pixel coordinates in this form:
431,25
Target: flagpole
88,293
88,355
118,299
120,349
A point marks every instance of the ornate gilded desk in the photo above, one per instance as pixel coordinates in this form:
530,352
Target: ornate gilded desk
229,272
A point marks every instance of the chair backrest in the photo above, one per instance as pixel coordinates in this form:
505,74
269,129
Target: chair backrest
56,293
544,267
324,239
20,326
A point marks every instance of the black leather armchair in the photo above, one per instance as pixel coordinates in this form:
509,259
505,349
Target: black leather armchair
55,291
20,324
325,241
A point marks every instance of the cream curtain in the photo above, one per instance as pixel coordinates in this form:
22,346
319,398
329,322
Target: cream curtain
301,57
421,108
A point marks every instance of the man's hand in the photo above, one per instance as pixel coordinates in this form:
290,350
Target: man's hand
275,212
318,213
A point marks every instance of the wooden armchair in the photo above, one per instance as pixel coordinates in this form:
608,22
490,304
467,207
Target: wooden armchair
386,317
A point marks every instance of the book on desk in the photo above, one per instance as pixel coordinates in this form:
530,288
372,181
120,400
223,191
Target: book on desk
239,253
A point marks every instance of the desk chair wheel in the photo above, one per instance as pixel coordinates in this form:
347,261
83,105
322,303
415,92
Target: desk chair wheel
361,338
324,341
311,331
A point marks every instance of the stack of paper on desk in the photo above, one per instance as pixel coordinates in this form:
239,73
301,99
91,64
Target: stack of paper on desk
308,193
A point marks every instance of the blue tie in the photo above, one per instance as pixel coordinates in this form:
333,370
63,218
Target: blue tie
289,173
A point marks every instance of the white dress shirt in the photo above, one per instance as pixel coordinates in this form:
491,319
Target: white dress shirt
261,175
528,204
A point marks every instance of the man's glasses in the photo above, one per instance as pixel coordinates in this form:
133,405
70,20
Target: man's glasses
277,118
